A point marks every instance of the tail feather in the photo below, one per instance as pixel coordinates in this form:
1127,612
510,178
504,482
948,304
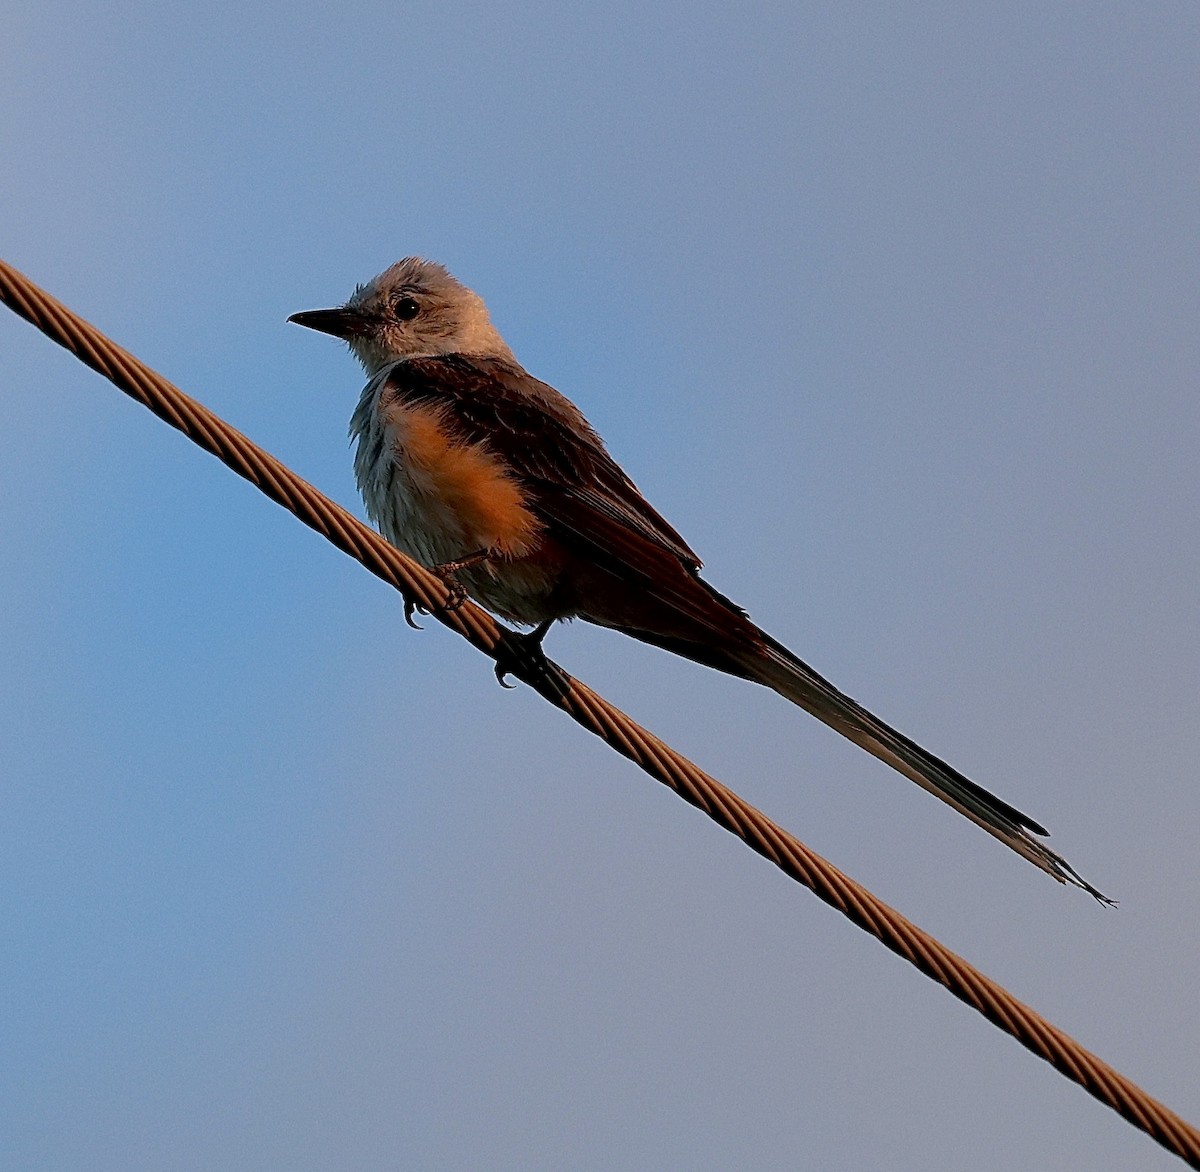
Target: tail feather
772,664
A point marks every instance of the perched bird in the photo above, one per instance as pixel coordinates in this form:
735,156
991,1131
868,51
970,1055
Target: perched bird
481,472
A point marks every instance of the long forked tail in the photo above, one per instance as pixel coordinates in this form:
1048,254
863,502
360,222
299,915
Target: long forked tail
772,664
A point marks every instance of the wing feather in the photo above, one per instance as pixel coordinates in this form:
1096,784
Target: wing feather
547,444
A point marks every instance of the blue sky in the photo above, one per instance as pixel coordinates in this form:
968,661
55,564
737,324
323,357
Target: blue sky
891,310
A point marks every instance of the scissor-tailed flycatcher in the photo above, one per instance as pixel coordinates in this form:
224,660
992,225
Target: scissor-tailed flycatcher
476,469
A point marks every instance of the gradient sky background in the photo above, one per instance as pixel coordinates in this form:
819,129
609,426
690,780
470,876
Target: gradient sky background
891,309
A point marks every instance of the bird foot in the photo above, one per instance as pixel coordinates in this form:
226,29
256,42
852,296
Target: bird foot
448,572
457,591
520,650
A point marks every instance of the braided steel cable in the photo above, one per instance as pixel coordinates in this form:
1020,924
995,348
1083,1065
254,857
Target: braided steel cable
422,588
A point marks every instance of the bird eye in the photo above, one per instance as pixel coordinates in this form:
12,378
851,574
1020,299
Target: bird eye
405,308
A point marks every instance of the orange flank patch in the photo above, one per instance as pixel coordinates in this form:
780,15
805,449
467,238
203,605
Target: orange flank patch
467,481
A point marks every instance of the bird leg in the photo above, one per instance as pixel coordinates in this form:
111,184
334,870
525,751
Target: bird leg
448,572
458,594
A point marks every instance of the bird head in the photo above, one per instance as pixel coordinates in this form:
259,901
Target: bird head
415,309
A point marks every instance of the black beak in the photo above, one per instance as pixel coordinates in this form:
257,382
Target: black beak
341,323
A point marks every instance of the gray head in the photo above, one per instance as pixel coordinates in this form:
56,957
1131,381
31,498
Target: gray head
415,309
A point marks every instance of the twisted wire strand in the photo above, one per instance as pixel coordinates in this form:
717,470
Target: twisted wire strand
659,760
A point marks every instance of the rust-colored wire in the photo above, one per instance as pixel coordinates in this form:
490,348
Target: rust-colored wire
659,760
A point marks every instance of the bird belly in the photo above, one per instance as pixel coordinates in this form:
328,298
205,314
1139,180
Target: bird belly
440,499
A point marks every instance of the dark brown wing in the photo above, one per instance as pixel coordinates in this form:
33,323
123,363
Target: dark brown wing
574,485
545,440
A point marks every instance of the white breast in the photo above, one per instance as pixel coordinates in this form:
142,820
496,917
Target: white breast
407,511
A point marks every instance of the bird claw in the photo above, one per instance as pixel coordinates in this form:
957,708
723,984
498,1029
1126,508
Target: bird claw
456,592
411,608
520,650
